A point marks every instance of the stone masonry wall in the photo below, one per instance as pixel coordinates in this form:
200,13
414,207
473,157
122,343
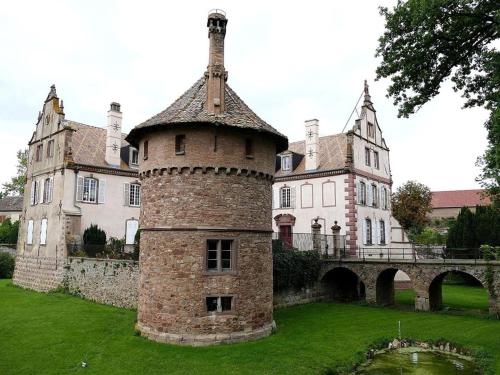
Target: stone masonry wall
109,281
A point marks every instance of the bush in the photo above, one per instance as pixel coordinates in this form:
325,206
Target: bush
115,248
9,231
7,263
293,269
94,240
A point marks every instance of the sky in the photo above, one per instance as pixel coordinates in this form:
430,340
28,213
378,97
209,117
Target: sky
289,61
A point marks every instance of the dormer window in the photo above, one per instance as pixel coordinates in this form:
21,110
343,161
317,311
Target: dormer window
134,157
371,130
286,162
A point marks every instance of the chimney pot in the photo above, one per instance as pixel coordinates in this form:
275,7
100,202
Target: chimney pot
115,107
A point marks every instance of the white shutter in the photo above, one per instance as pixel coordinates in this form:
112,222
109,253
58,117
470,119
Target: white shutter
132,226
378,231
358,192
51,189
370,195
276,198
101,197
126,194
42,191
364,231
29,240
79,189
32,197
43,232
292,197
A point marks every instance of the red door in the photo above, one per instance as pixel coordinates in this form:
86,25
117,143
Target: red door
286,234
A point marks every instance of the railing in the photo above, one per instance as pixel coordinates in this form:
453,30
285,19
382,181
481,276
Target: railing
327,244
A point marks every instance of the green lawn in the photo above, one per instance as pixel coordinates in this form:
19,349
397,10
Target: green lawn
455,297
52,334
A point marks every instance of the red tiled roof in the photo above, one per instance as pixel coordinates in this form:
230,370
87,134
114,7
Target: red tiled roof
459,198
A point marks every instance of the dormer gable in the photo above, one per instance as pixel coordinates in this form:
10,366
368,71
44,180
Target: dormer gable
51,117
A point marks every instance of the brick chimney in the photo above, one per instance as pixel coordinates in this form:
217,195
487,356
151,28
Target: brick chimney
216,75
312,144
114,135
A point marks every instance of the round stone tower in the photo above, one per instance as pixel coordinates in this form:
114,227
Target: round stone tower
206,165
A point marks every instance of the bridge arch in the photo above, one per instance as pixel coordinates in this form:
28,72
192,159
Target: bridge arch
436,286
384,285
342,284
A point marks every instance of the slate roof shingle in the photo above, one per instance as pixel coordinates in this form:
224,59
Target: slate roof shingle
88,145
190,108
332,154
459,198
11,204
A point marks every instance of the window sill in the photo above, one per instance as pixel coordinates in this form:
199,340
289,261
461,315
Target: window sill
220,273
222,313
180,153
249,157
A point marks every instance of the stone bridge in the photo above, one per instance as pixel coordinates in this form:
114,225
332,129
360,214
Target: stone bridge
373,280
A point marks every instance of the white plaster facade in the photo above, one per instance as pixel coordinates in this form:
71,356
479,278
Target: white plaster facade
356,166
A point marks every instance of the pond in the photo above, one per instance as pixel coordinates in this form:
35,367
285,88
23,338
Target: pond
417,362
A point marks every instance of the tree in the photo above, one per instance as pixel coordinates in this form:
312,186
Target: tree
429,41
94,240
410,205
474,229
17,183
9,231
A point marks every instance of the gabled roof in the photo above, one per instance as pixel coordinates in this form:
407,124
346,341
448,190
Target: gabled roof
332,154
459,198
11,204
88,145
190,109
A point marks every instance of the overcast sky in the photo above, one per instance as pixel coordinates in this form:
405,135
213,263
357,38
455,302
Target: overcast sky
290,61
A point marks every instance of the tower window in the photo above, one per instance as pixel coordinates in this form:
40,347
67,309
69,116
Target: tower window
219,304
219,255
146,149
180,144
249,148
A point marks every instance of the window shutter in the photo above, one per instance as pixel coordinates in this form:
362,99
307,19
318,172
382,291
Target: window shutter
378,231
126,194
51,188
131,229
43,232
292,197
358,192
29,239
370,195
101,197
79,189
276,198
364,232
42,191
32,197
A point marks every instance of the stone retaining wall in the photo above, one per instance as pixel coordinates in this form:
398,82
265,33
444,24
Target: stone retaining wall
296,297
109,281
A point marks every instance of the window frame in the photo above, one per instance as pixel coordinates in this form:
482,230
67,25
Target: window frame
85,179
368,162
48,186
180,144
381,234
219,270
285,196
50,148
219,310
134,200
369,231
370,129
376,160
286,162
39,152
134,151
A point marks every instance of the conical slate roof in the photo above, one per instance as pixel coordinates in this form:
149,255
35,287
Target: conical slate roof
190,109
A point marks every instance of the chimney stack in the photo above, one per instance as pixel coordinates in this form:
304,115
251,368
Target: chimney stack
216,75
114,135
312,144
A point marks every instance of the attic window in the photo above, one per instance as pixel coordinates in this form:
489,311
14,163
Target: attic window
249,148
286,162
134,157
371,130
180,144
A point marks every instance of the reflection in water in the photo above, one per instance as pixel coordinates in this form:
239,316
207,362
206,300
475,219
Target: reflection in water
419,363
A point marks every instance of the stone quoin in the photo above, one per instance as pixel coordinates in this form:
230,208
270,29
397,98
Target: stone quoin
206,166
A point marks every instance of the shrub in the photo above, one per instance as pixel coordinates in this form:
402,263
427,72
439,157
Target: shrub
137,240
94,240
9,231
7,263
115,248
294,269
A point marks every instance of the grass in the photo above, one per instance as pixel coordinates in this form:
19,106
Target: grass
53,333
465,298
